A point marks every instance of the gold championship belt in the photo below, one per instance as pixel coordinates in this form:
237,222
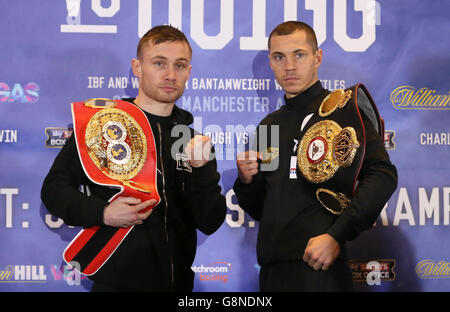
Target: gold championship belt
117,149
331,151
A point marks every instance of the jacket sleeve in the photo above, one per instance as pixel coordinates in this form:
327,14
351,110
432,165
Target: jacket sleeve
208,204
377,182
60,190
251,196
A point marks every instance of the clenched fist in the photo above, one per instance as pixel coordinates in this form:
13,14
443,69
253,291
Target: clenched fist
247,164
198,150
321,251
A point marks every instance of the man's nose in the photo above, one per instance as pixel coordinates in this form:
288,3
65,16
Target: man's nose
170,73
290,63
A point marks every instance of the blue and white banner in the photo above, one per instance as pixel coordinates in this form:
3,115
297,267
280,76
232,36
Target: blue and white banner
55,52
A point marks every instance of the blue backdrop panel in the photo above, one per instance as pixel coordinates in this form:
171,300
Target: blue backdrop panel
56,52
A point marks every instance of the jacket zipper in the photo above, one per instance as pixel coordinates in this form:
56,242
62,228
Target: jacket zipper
165,200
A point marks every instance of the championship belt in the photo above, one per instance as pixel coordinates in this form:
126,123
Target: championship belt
331,151
116,149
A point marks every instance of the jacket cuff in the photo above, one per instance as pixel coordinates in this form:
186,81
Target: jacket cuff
98,212
204,175
341,230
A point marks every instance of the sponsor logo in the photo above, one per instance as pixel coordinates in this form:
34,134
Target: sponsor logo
37,274
216,271
432,269
57,137
23,273
373,272
408,97
389,136
28,93
67,273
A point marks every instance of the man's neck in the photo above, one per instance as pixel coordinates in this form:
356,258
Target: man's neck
154,107
292,95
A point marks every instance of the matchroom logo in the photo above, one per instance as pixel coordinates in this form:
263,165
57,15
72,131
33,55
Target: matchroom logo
216,271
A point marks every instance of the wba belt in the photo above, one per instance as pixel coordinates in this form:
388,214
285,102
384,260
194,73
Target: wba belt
116,148
331,150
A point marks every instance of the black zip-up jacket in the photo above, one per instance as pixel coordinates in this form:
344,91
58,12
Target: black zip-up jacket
289,213
157,255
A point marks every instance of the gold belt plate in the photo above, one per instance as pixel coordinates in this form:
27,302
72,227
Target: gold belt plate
116,144
324,148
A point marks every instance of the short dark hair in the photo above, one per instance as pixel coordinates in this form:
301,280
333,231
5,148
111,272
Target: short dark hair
290,27
160,34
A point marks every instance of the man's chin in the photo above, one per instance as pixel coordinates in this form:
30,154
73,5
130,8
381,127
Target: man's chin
170,98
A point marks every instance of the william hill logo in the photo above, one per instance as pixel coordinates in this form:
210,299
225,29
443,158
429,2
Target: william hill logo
432,269
23,273
407,97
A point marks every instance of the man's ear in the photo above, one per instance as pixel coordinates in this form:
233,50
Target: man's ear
318,58
136,67
270,61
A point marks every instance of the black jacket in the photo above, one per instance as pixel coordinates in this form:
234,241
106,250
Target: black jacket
288,212
157,255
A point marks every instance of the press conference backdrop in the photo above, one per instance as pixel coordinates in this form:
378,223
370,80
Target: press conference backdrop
55,52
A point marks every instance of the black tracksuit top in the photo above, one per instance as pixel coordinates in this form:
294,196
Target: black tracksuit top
157,255
288,213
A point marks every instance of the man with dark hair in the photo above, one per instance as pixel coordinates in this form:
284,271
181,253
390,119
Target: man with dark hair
333,176
158,251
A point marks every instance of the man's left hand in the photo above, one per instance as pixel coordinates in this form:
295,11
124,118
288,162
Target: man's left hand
321,251
198,150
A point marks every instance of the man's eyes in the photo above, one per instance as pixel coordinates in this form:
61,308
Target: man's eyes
179,66
158,64
278,57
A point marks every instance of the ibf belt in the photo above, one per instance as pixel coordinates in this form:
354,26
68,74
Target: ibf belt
116,149
331,150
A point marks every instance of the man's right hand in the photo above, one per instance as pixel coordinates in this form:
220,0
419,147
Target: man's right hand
124,212
247,164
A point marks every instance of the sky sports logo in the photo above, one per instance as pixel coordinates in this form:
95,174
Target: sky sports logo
57,137
216,271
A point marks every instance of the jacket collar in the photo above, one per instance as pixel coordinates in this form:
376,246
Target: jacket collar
180,116
307,99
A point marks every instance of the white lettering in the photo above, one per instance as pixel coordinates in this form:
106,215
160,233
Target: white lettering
319,8
8,136
403,201
368,36
9,192
258,40
225,34
428,207
105,12
446,204
234,207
